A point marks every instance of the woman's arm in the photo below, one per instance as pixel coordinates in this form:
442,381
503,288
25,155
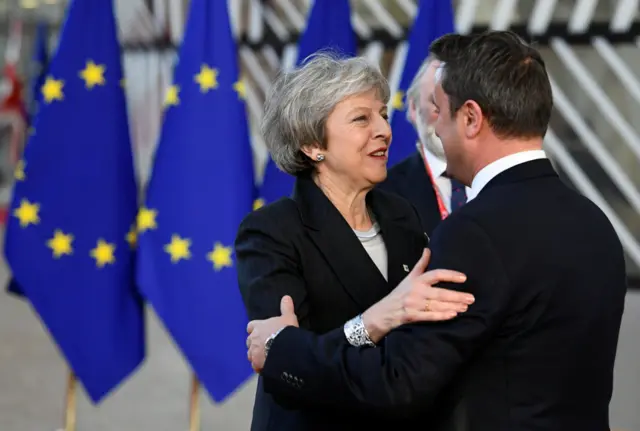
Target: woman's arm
269,268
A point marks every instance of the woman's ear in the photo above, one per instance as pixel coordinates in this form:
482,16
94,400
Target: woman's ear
311,151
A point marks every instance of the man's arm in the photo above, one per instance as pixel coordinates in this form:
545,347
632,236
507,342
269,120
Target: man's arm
414,362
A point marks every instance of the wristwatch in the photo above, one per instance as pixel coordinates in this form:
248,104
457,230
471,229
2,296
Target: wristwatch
269,342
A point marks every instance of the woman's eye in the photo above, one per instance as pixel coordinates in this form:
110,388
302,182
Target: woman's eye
361,118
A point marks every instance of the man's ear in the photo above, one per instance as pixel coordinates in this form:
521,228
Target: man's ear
473,118
412,111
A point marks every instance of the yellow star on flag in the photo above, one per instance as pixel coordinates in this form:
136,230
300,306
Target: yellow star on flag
93,74
19,171
258,203
146,219
52,89
397,101
60,244
172,97
132,237
207,78
241,89
27,213
178,248
220,256
103,253
31,131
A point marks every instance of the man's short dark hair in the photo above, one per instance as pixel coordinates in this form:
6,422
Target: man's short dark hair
507,78
440,49
448,45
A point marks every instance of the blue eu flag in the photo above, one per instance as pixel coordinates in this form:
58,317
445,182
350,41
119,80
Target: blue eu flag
434,19
329,27
74,205
201,188
39,63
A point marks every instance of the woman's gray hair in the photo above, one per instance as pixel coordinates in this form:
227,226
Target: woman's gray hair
299,102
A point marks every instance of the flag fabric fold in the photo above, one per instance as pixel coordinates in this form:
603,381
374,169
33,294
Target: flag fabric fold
69,234
39,63
328,28
434,19
200,189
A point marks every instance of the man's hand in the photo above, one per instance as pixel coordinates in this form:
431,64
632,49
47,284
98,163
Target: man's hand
417,299
260,330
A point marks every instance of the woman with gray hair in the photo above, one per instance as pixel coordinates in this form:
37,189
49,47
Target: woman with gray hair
338,246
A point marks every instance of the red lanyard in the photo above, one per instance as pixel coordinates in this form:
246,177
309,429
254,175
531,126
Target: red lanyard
443,209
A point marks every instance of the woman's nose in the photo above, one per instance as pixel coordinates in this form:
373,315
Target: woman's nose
382,128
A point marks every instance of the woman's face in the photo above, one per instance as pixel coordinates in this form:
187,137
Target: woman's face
358,137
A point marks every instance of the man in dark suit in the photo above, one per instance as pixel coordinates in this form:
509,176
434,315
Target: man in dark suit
537,348
421,178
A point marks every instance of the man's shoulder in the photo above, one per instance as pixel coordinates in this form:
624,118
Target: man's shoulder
408,165
539,204
404,173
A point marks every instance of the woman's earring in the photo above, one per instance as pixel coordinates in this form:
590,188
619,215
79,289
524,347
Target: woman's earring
320,157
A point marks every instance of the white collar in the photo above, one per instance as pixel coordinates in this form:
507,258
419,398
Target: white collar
492,170
437,165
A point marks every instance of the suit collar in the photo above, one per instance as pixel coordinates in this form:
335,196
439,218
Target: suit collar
539,168
494,169
316,209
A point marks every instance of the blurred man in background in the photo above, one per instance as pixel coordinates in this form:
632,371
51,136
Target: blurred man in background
421,177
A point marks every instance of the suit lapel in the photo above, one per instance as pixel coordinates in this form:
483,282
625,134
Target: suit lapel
403,243
522,172
344,252
421,193
339,245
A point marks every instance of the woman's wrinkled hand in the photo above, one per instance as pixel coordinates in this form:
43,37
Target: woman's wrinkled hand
417,299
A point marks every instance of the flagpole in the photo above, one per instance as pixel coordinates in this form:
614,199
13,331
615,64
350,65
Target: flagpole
70,403
194,404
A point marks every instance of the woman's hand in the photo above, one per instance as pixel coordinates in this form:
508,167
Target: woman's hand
416,299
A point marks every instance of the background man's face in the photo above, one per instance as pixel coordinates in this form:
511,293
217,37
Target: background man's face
426,114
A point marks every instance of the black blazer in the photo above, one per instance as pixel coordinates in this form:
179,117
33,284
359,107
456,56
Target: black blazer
535,351
410,180
304,248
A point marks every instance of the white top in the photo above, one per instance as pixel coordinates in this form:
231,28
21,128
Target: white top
438,168
492,170
373,244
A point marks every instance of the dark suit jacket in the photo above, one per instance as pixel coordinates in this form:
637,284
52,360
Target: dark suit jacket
535,351
304,248
410,180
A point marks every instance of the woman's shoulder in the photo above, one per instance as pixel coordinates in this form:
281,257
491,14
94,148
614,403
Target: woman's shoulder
281,215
